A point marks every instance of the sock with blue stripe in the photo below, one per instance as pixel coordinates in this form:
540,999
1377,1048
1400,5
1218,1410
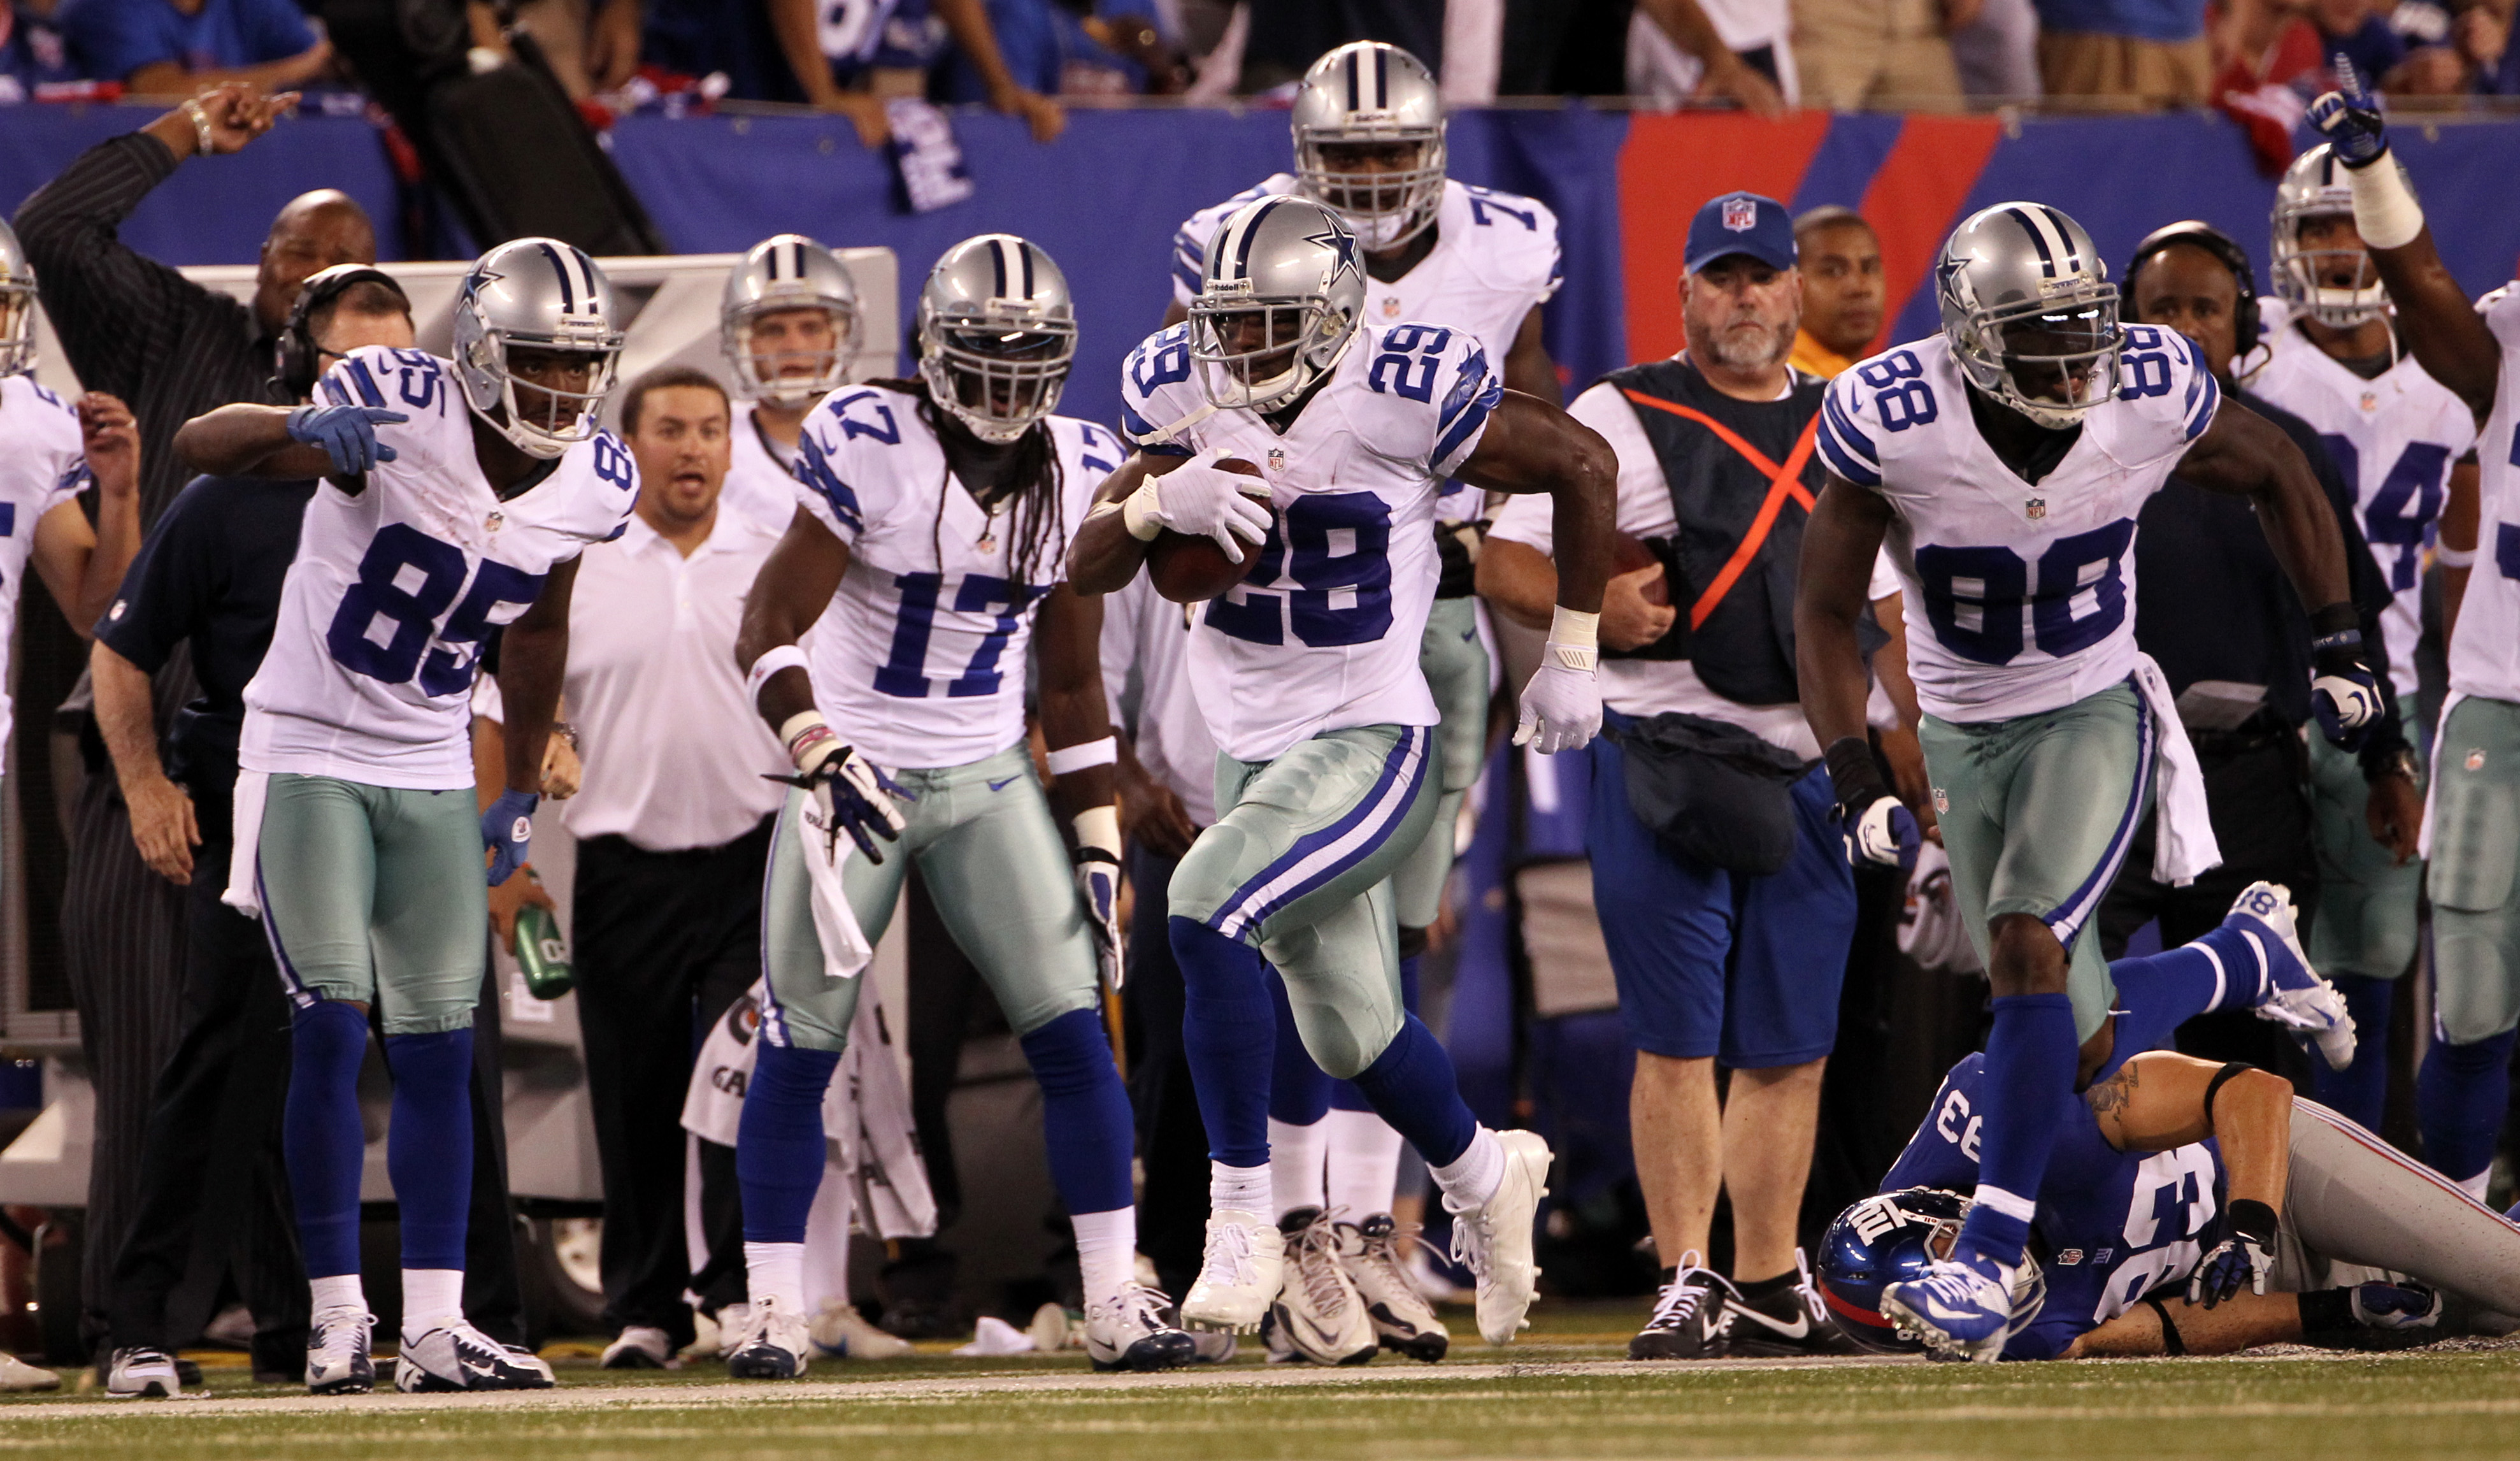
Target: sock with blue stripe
2361,1090
2030,1059
2159,992
2459,1101
1230,1038
779,1141
1083,1113
321,1134
1411,1085
428,1148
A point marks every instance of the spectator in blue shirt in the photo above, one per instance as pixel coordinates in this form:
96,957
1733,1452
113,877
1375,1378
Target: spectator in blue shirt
32,51
176,47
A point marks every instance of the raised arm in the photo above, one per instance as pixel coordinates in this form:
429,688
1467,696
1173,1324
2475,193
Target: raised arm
287,442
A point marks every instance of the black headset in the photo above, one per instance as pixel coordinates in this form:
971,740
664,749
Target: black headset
299,359
2214,241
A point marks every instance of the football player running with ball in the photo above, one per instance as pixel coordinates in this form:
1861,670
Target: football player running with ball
456,498
1369,140
1307,673
2004,460
2465,1088
933,540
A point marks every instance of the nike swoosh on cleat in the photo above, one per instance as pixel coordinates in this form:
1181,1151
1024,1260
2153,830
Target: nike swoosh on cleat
1000,785
1936,1308
1800,1329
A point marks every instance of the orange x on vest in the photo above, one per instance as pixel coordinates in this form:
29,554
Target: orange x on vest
1783,482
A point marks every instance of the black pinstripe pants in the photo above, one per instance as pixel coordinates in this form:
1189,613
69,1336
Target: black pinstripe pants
122,940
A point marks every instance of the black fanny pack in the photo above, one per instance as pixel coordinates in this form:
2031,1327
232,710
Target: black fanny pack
1712,792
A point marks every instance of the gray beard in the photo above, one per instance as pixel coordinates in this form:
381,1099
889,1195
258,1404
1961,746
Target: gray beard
1748,352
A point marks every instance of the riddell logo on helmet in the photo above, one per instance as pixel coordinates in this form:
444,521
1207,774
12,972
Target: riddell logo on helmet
1741,214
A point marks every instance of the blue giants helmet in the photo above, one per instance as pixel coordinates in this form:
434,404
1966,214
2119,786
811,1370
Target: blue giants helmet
1878,1242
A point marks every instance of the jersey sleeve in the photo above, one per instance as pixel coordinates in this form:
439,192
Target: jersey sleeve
1156,391
1943,1154
411,383
840,473
1847,431
612,494
1520,234
2163,376
2502,311
1189,253
1429,390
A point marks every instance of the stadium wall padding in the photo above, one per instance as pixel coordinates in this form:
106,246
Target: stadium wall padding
1105,198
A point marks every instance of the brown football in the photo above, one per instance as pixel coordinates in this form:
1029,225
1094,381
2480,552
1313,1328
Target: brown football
1629,552
1194,570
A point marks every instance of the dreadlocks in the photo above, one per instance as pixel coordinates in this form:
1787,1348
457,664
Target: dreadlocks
1030,495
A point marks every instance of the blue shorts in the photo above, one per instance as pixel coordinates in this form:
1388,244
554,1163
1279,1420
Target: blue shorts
1708,962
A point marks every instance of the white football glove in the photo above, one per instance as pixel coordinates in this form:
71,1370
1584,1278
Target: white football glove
1098,885
1199,500
1561,706
850,793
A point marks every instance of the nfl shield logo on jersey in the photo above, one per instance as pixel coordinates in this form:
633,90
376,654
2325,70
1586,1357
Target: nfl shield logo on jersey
1391,306
1741,214
1277,459
2036,509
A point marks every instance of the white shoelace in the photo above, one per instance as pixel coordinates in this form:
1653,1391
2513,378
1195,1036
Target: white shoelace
1680,1299
1134,1306
1317,1266
1228,1256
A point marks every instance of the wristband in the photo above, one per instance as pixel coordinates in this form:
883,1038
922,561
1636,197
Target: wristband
1065,758
1138,512
199,117
2254,1220
2454,558
2332,620
1853,773
1098,831
805,732
2385,211
2342,639
772,660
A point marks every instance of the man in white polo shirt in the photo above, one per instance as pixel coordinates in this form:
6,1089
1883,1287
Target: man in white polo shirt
673,829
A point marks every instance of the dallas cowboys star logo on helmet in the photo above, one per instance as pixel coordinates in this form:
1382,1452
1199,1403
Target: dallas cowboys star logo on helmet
1343,244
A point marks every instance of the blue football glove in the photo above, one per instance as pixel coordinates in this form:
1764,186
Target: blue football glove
508,831
1884,834
2348,117
850,793
1098,885
2243,1259
2344,693
347,434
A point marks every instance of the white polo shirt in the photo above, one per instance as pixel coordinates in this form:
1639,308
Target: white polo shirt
674,753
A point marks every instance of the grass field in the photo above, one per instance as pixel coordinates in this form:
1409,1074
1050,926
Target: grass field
1564,1394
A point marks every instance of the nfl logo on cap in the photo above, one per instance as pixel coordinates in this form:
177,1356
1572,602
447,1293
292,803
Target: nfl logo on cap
1741,214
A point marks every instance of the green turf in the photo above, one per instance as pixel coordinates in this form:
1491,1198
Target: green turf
2423,1405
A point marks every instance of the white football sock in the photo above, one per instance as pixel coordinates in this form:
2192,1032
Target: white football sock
1364,1164
1295,1156
1238,1189
777,1271
1106,1251
341,1291
1471,1178
431,1297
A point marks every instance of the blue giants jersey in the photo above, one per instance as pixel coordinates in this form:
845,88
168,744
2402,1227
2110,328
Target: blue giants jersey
2112,1225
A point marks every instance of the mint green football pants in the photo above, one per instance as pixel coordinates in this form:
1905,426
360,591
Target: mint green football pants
1456,665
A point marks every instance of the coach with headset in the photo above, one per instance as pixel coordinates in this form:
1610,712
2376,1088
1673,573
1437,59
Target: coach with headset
2215,609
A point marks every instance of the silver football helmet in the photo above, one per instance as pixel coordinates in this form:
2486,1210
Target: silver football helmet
997,335
537,299
788,272
1278,303
1369,95
17,306
2338,287
2030,311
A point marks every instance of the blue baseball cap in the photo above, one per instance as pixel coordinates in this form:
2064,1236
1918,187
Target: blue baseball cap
1741,223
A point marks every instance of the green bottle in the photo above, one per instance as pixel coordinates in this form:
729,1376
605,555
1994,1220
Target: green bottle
542,954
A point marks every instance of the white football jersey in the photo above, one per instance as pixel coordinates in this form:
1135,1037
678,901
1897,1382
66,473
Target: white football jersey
1495,260
370,674
760,482
2028,591
1323,634
2394,438
43,466
919,659
2485,652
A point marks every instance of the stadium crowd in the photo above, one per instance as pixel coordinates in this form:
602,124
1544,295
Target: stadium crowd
791,653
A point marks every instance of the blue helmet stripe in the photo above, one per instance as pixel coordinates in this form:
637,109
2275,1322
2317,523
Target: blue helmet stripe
560,266
2037,240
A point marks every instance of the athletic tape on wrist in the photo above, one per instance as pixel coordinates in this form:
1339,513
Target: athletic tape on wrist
1065,758
1098,828
2385,211
802,733
1138,512
2454,558
1574,640
772,660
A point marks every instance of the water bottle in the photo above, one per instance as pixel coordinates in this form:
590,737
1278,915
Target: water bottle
542,954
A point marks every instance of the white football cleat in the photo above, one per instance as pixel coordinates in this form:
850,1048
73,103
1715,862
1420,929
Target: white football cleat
1130,1332
458,1357
1494,1239
640,1346
338,1358
840,1332
17,1376
730,1321
1238,1274
140,1372
1403,1320
2295,997
773,1345
1318,1308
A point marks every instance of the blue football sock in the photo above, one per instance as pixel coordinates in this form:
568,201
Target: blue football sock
428,1148
2159,992
2459,1101
779,1142
1345,1096
2030,1059
321,1135
1298,1090
1084,1111
2360,1091
1230,1038
1410,1085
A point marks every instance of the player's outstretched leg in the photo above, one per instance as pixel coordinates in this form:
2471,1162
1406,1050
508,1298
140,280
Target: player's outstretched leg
2253,962
778,1166
324,1146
